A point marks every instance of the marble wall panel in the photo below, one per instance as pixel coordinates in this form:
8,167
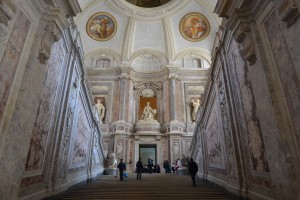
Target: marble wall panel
185,147
288,75
248,111
97,151
165,147
68,126
120,149
80,146
175,148
199,159
131,116
11,56
229,144
44,113
116,101
213,130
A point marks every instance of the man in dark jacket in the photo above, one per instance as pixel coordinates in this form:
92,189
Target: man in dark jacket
193,169
139,169
122,168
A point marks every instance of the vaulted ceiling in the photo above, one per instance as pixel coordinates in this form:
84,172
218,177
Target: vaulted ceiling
150,33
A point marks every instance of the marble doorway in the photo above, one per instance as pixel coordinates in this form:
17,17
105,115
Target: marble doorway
146,151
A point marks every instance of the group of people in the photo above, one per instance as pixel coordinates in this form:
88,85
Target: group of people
192,168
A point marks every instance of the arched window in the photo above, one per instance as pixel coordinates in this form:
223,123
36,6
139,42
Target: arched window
192,63
103,63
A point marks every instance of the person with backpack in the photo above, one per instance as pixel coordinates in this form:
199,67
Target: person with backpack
139,169
193,169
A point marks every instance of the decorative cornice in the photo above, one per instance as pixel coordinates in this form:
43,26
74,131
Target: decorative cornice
288,11
52,34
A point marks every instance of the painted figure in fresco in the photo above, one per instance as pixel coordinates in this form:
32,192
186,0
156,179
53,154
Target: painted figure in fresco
101,109
102,28
196,105
197,29
148,113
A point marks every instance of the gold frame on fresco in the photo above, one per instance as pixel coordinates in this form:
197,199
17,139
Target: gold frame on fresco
92,35
189,16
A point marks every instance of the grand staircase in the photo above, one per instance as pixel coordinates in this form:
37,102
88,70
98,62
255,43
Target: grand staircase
152,186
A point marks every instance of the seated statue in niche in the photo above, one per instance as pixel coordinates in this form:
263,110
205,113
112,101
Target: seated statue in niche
148,113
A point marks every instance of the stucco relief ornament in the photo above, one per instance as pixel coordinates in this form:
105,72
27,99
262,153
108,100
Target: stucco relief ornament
101,26
194,27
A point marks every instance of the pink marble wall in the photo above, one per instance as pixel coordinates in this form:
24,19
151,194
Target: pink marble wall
289,78
40,130
248,111
10,59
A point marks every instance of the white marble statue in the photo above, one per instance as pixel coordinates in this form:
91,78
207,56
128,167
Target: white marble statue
148,113
101,109
196,105
112,161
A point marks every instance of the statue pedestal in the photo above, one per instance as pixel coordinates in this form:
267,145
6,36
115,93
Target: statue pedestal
182,171
147,127
111,171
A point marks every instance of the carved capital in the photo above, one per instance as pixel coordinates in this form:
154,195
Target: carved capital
51,35
242,34
174,76
288,11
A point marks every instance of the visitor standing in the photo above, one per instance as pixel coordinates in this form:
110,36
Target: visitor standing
122,168
193,169
139,169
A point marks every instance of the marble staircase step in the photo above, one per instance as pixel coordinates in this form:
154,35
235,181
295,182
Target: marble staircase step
152,186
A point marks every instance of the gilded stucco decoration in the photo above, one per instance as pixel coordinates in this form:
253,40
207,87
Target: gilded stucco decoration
101,26
194,27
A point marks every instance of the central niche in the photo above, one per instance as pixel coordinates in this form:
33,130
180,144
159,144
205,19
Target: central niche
147,101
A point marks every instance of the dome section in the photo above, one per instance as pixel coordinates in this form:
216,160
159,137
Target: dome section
147,63
148,3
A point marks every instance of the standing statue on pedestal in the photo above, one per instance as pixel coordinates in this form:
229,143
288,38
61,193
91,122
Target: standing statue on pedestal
148,113
101,109
196,105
